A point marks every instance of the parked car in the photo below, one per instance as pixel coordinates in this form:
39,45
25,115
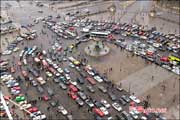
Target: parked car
117,106
62,110
102,89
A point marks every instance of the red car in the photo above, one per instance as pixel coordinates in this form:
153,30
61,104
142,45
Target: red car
72,95
91,80
59,48
73,88
164,59
111,37
52,70
7,97
98,112
24,73
17,88
33,109
45,98
19,63
45,63
150,54
13,70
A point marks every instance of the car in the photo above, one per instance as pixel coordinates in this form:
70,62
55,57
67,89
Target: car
80,80
104,110
20,98
82,95
62,85
105,103
50,91
71,65
120,117
69,117
66,70
79,101
24,73
41,80
102,89
67,76
40,89
134,115
56,80
72,95
91,80
126,115
125,98
117,106
119,88
25,106
122,101
73,82
112,96
73,88
79,87
90,88
98,112
13,70
45,98
49,74
33,109
89,103
12,84
53,103
62,110
135,99
60,70
98,78
90,72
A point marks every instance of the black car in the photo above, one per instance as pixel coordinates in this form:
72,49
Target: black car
122,101
112,96
98,104
80,80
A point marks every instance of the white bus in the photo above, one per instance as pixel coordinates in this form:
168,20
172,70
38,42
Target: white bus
100,34
71,33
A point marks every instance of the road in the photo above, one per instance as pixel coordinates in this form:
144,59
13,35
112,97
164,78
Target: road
132,68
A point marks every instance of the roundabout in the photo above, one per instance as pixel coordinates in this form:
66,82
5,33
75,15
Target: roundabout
96,48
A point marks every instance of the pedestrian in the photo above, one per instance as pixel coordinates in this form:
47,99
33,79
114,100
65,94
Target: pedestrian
48,108
174,99
152,78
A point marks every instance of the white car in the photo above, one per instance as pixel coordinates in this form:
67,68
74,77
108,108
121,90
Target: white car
67,76
16,49
90,72
132,113
97,78
40,117
25,106
176,70
105,103
58,74
135,99
104,110
7,52
117,106
62,110
60,70
55,66
25,61
73,82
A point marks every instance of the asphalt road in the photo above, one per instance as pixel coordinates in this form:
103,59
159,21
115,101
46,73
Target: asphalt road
25,15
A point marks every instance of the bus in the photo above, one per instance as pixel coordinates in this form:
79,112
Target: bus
100,34
70,33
